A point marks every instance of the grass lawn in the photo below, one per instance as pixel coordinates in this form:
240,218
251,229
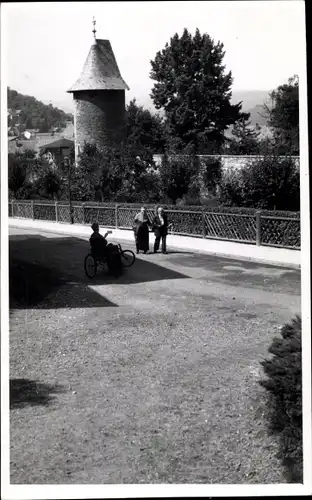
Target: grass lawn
152,378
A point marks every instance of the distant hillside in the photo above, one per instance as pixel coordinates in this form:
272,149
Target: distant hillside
257,116
26,112
252,102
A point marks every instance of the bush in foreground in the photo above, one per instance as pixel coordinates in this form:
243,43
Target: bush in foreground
284,384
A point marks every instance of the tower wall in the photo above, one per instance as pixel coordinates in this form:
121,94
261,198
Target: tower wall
99,117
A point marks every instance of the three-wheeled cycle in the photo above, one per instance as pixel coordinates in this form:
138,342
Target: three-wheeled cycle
93,262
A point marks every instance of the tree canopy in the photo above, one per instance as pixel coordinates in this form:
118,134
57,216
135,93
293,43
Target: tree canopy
283,117
194,90
144,129
123,173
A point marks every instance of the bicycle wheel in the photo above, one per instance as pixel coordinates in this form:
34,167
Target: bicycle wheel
90,266
127,258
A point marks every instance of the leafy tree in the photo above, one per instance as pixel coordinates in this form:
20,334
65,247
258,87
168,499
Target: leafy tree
245,140
283,117
129,175
117,173
20,167
51,183
175,177
47,185
144,129
86,174
194,90
16,176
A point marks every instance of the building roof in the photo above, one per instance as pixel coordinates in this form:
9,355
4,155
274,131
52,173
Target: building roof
60,143
44,134
100,71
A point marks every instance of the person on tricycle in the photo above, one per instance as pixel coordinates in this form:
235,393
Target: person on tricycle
105,252
98,242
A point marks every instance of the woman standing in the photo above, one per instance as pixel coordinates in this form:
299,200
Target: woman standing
141,231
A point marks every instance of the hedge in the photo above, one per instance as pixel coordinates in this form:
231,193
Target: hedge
284,385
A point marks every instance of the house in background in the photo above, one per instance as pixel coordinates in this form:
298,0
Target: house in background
13,117
58,148
18,142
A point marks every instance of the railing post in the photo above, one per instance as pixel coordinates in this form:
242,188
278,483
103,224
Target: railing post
116,216
83,214
56,212
13,208
203,224
32,210
258,227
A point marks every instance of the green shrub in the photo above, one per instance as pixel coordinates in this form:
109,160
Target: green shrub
212,173
231,189
176,174
284,384
269,183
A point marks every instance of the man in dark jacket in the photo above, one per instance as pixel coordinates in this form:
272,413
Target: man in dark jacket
98,242
101,250
160,225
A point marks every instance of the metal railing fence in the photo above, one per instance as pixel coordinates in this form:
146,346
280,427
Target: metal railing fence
257,228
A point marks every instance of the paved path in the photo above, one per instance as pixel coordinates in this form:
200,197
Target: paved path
268,255
158,371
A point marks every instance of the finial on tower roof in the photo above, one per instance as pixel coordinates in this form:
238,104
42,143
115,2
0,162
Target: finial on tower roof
94,30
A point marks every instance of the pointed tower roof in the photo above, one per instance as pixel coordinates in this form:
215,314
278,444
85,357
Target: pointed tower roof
100,71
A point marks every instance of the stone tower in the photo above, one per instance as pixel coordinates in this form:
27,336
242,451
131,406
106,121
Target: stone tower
99,98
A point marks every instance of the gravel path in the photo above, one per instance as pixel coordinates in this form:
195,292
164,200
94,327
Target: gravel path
149,379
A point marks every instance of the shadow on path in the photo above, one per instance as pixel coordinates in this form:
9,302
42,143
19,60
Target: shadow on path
48,272
30,392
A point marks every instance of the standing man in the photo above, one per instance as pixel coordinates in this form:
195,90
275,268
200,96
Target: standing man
160,224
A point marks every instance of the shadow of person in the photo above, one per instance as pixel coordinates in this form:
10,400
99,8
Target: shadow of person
25,392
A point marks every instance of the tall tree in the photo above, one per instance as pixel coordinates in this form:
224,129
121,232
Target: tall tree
283,117
194,90
144,129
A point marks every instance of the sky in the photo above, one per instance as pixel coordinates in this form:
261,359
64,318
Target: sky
46,44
